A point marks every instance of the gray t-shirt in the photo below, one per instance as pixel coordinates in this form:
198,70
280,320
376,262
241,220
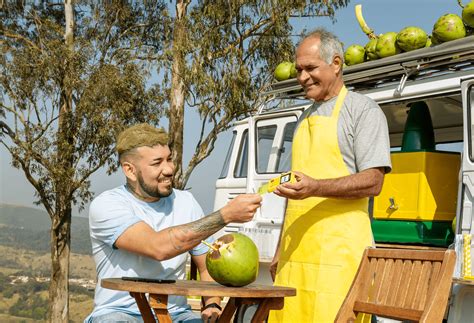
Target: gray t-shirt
362,131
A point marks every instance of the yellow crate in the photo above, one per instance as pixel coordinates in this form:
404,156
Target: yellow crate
422,186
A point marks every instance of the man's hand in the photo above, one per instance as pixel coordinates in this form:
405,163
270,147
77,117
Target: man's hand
241,209
303,188
210,314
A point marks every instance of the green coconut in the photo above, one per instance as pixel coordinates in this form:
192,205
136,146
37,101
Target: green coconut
449,27
387,45
233,260
283,71
370,53
411,38
468,14
293,71
354,54
428,42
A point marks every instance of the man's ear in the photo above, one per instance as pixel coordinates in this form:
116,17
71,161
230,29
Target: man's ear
129,170
337,64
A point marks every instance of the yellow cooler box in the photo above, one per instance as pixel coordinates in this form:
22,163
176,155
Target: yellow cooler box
422,186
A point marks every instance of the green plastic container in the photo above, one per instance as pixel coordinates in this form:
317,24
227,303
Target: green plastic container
435,233
418,134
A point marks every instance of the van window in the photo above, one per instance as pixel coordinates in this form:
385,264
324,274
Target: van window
265,137
284,153
225,168
242,159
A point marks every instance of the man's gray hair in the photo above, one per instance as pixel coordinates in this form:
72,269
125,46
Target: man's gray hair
330,44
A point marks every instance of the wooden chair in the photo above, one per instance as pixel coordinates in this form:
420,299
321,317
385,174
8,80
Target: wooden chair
401,284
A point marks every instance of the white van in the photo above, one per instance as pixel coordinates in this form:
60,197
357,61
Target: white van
441,76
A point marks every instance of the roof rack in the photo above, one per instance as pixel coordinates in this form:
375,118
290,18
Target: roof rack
441,59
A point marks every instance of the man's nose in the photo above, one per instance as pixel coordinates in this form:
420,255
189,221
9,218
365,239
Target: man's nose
302,76
168,168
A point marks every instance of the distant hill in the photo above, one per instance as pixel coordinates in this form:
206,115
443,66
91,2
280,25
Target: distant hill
28,228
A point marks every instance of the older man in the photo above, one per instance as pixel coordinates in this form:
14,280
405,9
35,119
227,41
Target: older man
340,154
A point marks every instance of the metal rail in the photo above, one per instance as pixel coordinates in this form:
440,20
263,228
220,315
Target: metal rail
449,57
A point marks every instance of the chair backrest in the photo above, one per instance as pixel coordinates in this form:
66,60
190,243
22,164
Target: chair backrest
401,284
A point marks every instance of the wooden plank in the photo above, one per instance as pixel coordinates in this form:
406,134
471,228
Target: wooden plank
393,312
144,307
404,281
407,254
422,290
379,270
202,288
367,279
358,290
159,304
408,246
433,283
264,308
229,310
395,283
413,286
387,278
436,306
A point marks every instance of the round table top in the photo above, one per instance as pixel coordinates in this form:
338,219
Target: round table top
198,288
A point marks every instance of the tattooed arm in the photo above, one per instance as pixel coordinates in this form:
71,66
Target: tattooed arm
165,244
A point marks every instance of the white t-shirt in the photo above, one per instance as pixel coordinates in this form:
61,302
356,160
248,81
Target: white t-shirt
110,214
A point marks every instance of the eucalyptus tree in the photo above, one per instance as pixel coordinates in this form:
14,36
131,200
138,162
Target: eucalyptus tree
221,54
71,78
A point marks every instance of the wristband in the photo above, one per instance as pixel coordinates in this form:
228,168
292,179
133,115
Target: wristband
214,305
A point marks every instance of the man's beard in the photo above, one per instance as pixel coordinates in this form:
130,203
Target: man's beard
152,191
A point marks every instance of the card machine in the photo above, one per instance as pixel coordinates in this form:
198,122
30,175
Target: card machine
274,182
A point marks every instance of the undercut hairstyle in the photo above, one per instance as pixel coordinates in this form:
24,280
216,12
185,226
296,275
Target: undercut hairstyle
330,45
139,135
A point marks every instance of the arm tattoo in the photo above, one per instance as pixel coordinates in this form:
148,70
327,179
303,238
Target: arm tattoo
194,232
209,224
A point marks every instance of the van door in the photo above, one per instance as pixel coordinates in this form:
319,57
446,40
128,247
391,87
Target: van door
462,295
465,202
270,141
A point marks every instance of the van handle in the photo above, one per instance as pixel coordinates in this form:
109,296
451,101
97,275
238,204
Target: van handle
392,206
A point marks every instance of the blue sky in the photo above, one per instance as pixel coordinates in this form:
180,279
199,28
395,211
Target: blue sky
381,15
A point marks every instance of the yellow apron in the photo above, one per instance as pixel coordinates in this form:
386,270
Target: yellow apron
323,238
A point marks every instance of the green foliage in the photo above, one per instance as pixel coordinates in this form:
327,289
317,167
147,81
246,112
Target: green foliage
30,305
99,86
223,53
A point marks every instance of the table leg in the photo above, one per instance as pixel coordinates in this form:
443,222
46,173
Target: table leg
264,307
159,304
229,310
144,307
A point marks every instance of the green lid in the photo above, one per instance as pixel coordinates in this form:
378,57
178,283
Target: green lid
437,233
418,134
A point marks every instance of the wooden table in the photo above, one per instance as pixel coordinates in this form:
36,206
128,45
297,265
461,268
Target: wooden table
266,297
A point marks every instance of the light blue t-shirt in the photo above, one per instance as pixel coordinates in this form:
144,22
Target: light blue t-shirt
110,214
